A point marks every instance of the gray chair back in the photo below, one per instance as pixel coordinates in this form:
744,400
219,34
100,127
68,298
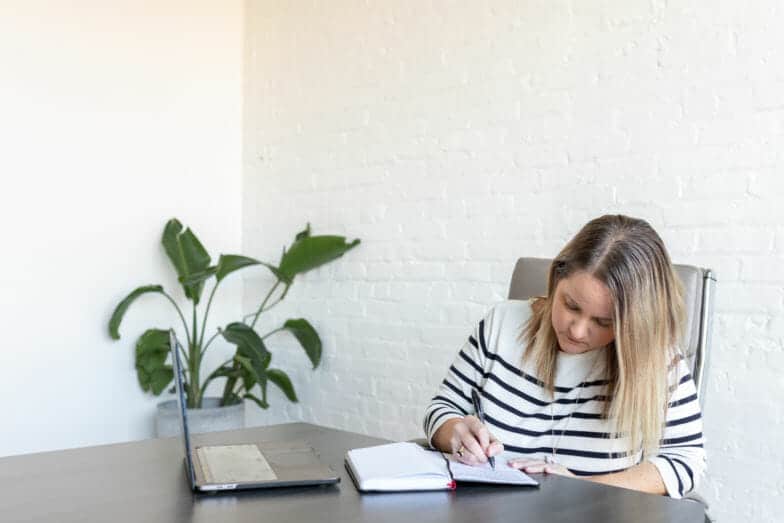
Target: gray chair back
530,279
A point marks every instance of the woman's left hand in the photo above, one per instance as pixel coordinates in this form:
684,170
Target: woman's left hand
537,466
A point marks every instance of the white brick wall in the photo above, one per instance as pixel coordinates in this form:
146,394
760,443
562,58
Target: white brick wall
453,137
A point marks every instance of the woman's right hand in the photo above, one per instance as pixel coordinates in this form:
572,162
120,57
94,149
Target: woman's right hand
468,440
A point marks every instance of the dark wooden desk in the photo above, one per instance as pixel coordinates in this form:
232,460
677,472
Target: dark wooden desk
145,482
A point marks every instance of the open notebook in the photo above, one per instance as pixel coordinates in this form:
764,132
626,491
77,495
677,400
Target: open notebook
408,466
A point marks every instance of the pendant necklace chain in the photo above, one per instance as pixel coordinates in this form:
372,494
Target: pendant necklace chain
551,458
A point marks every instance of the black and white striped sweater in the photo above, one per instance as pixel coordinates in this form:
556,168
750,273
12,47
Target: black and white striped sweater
520,412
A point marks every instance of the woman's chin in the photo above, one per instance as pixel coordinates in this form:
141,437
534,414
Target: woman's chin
572,348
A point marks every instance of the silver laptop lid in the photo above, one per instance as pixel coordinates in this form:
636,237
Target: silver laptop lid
179,380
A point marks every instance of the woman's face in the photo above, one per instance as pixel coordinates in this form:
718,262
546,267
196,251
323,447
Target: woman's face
582,314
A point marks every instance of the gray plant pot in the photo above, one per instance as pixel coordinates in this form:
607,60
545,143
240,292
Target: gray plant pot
210,418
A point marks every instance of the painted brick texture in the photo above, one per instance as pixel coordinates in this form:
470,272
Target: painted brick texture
453,137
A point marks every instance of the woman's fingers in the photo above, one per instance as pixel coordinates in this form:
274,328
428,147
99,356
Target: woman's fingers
555,468
468,458
472,442
519,463
537,466
464,455
489,443
467,447
480,432
495,448
534,466
474,450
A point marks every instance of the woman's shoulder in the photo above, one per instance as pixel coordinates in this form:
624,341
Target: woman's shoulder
679,370
508,316
512,308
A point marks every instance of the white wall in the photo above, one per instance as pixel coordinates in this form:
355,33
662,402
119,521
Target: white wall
453,137
115,117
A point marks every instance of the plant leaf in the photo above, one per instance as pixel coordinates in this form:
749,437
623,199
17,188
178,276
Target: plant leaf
122,307
232,399
307,337
278,274
281,379
160,379
227,372
199,277
261,403
303,234
250,346
188,256
309,252
248,373
152,349
228,263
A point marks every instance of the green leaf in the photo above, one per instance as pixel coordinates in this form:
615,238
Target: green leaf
250,346
278,274
228,263
122,307
303,234
307,337
152,349
248,372
231,399
260,402
226,372
188,256
309,252
281,379
160,379
199,277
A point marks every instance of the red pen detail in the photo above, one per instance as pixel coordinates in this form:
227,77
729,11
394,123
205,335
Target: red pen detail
452,485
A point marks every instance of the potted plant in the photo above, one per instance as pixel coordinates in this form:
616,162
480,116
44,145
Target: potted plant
248,372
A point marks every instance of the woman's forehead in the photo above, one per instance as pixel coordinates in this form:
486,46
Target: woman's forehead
589,293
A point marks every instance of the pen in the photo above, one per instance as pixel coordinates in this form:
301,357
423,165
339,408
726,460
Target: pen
481,415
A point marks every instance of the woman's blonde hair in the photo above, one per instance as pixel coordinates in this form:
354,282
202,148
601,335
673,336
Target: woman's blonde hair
629,257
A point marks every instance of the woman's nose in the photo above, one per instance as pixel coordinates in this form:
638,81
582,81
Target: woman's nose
578,330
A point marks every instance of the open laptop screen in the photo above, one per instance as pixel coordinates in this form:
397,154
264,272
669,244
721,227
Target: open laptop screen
179,380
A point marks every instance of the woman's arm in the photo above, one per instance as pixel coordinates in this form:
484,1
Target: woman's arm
644,477
680,458
452,400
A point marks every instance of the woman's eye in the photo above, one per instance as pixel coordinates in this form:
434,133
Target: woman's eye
571,306
603,324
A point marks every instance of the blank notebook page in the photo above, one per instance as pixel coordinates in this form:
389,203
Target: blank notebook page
402,459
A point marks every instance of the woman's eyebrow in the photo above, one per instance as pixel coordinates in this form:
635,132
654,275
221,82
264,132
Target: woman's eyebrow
597,318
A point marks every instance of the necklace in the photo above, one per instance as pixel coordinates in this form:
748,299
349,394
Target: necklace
551,458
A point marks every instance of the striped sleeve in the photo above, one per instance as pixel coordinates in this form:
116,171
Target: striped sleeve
453,398
681,455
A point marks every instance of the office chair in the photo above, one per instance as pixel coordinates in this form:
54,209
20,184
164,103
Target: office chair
529,279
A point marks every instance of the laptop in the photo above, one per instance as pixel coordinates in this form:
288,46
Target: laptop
213,468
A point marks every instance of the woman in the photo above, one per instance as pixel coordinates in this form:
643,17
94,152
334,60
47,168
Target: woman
587,381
